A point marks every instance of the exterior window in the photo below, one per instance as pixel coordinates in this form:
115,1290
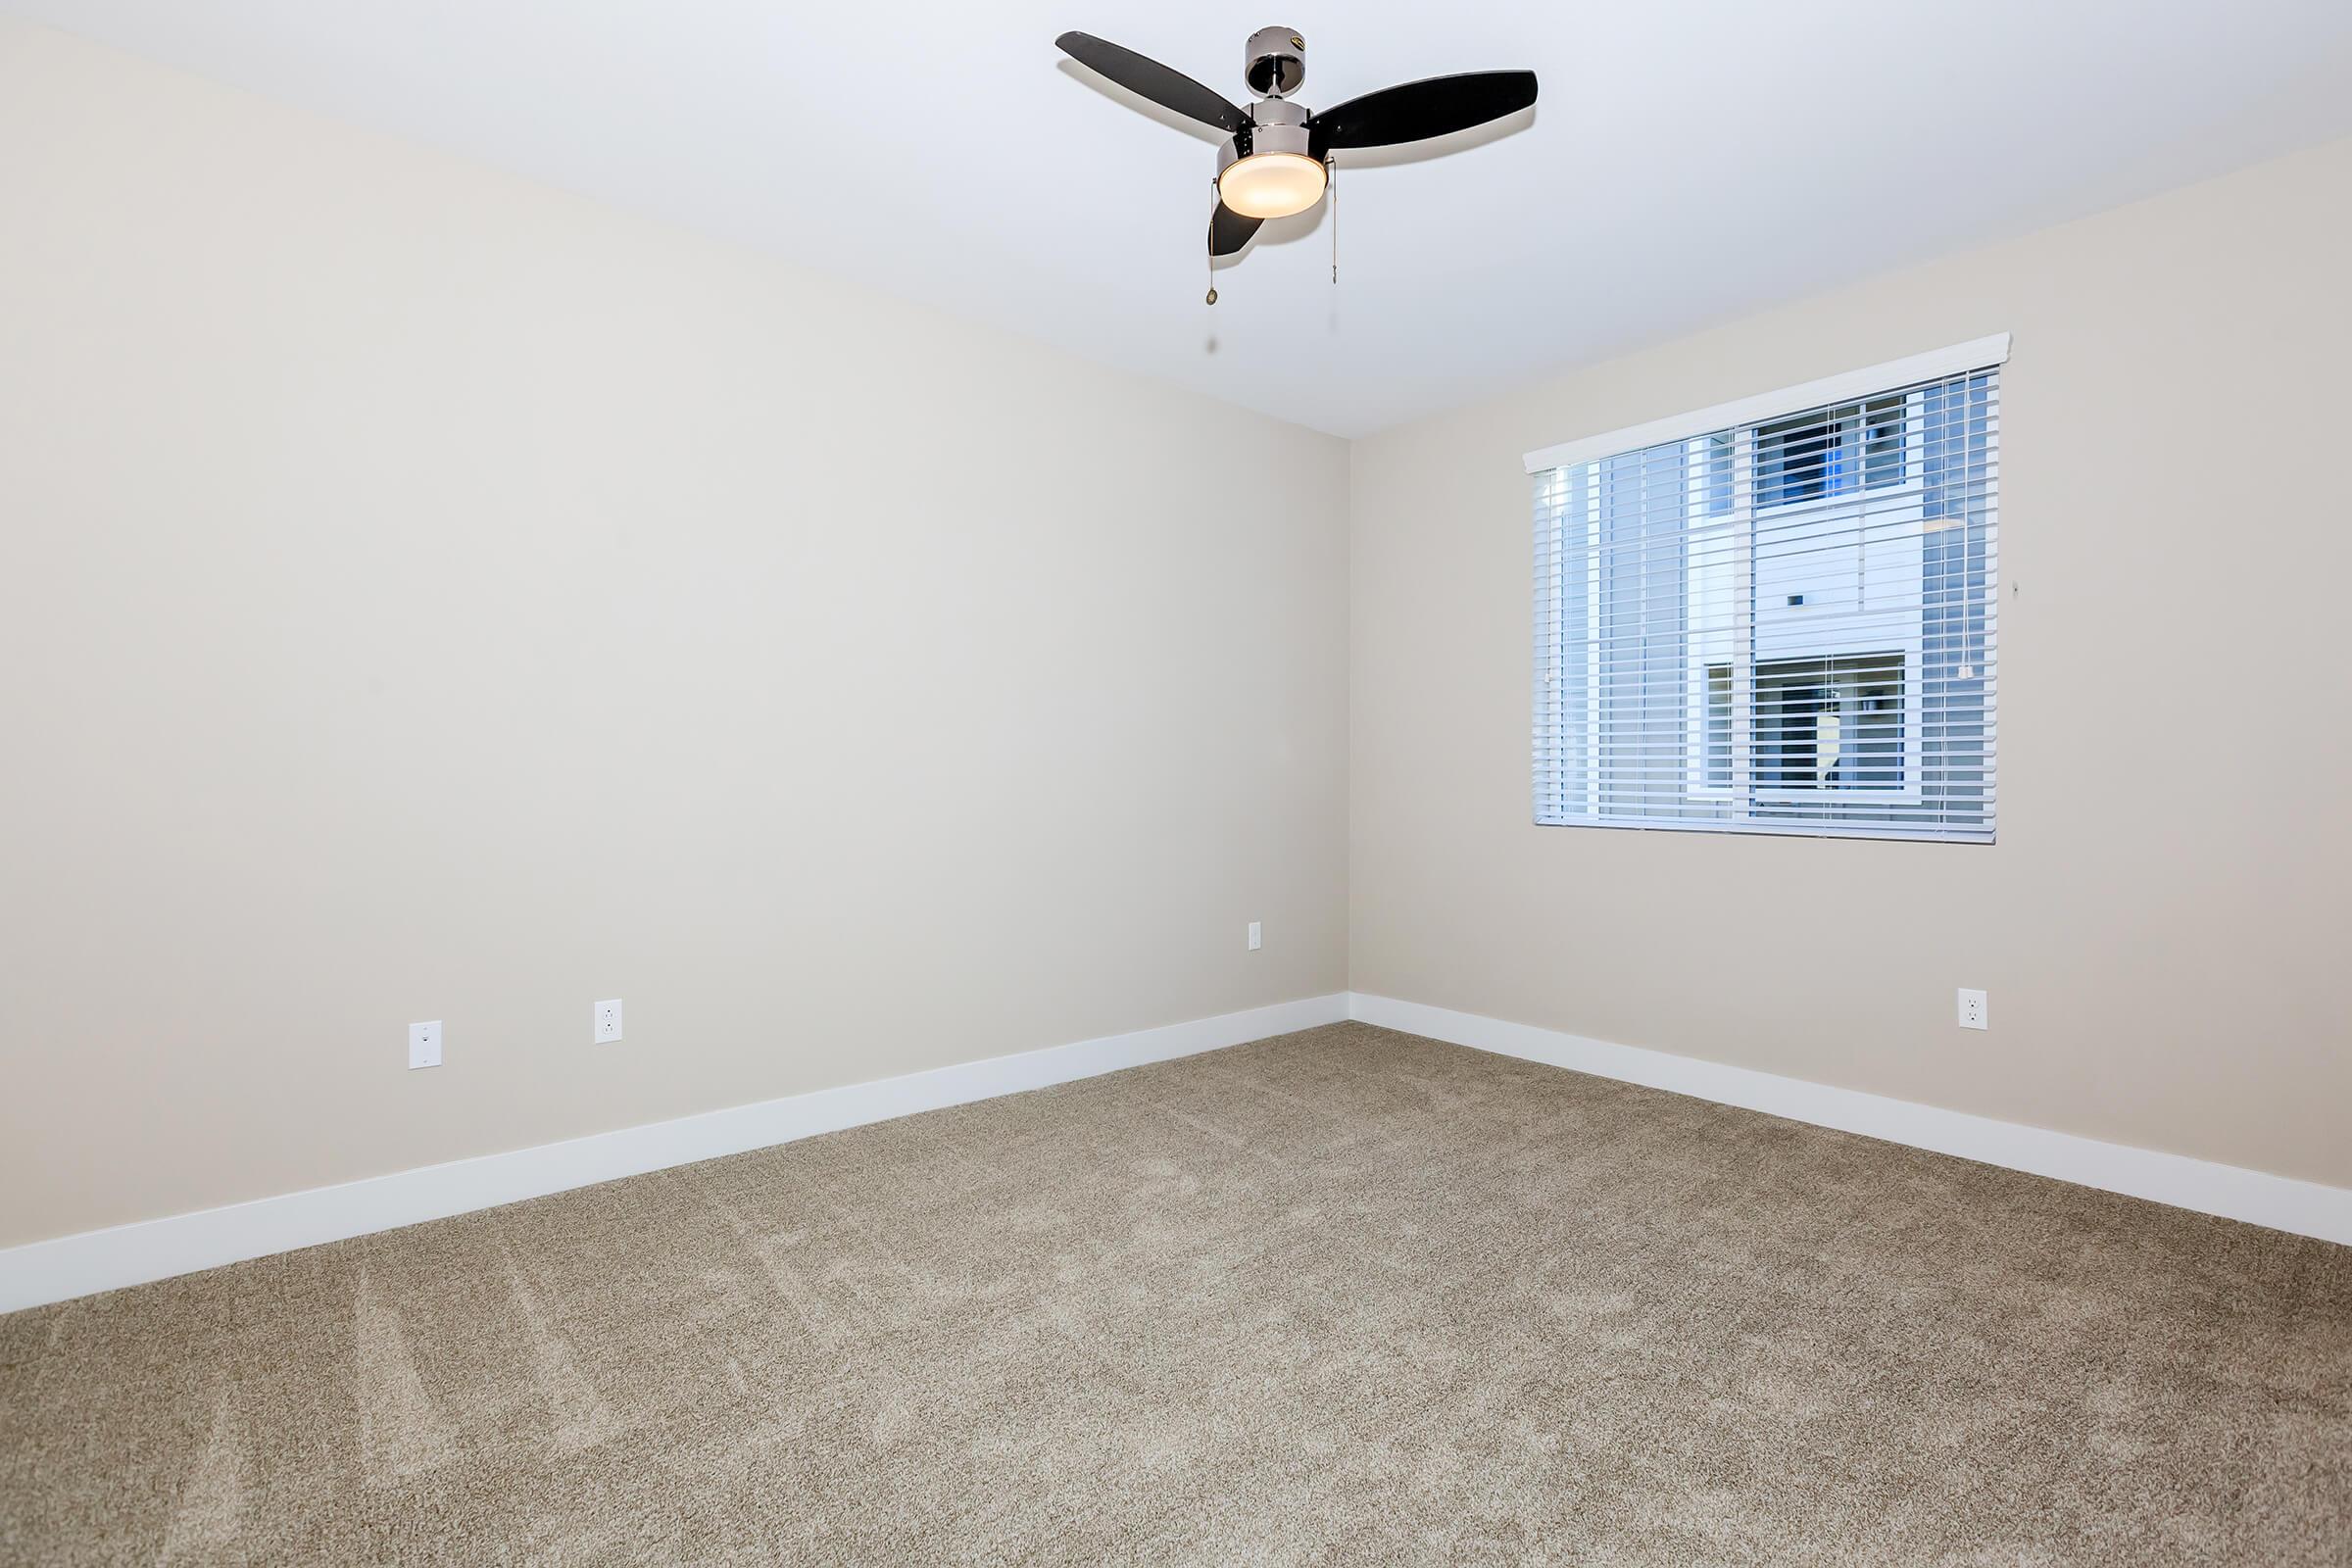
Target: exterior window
1719,728
1829,452
1781,625
1831,723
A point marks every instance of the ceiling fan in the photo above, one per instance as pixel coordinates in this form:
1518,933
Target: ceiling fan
1276,158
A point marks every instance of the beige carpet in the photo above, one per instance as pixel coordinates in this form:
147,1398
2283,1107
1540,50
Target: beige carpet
1343,1297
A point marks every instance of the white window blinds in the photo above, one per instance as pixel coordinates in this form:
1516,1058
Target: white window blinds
1778,617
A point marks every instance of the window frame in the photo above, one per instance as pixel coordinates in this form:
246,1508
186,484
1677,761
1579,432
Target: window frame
1900,507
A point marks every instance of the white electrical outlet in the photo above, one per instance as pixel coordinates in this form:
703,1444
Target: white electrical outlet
1254,943
424,1045
608,1021
1972,1008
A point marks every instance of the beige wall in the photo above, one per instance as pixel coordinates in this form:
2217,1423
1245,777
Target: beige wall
426,595
2163,925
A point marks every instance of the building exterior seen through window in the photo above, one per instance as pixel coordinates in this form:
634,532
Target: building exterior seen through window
1785,627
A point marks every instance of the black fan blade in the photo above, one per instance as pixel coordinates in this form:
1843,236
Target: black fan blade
1229,230
1420,110
1148,78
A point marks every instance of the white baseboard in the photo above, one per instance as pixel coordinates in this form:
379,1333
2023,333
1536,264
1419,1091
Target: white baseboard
39,1272
152,1250
2281,1202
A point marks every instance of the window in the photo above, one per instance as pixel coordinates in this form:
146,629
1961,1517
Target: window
1829,723
1776,616
1829,452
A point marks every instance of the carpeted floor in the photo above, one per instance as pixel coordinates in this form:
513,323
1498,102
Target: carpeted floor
1343,1297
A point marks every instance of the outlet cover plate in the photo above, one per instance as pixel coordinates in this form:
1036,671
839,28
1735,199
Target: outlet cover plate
1972,1009
424,1045
608,1021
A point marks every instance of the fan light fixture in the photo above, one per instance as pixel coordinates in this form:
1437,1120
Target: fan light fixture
1274,159
1271,184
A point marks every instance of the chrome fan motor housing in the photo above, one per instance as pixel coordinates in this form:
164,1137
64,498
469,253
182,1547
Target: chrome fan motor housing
1275,126
1267,168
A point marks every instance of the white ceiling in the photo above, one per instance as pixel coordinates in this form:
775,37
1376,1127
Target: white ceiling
1688,160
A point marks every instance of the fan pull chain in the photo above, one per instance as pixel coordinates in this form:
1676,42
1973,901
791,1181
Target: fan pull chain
1335,219
1208,247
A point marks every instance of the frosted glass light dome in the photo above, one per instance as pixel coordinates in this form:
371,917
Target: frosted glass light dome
1271,184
